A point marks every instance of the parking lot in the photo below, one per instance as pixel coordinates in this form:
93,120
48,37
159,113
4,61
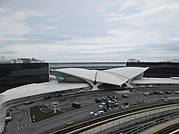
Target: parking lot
91,105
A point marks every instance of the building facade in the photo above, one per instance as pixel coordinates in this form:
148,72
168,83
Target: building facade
158,69
14,75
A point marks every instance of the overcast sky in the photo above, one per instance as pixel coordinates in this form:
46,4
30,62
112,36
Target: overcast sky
90,30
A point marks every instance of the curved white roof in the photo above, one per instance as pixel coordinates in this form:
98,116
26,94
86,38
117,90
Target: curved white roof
105,77
116,76
128,72
79,72
37,89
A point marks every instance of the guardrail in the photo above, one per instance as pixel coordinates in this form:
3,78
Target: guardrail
144,126
89,121
107,126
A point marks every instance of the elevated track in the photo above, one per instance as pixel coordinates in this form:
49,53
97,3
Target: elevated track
99,121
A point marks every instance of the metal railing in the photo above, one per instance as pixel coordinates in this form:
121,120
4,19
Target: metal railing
127,120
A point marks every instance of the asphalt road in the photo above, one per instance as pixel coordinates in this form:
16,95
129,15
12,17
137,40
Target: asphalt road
22,125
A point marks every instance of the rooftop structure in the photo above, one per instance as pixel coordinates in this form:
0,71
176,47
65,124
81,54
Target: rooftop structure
3,60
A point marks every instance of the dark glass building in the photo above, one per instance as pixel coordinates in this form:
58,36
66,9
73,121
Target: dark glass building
158,69
14,75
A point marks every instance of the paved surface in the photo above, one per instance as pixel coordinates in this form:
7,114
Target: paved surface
21,124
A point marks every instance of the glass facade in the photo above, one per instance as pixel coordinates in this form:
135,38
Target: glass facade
158,69
66,78
14,75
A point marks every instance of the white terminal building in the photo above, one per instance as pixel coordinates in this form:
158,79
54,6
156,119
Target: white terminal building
78,78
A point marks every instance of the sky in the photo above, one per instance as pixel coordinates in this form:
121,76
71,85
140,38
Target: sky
90,30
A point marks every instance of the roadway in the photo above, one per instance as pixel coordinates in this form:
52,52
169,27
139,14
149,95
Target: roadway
21,123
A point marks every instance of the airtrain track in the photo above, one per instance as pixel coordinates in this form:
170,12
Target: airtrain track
77,126
173,129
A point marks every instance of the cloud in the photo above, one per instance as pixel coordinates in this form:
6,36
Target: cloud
49,27
14,24
90,30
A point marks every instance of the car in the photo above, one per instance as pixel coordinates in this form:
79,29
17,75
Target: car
158,92
103,109
76,105
150,86
116,104
164,99
161,92
28,101
105,98
92,113
81,91
103,103
177,92
125,105
98,100
112,104
100,112
142,86
56,94
8,116
168,92
141,101
47,97
95,114
131,90
146,93
124,95
151,93
101,106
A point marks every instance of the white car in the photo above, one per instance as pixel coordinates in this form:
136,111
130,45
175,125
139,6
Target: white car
177,92
100,112
92,113
96,113
125,106
146,93
8,116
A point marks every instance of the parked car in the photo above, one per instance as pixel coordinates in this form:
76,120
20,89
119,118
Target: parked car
47,97
164,99
177,92
98,100
158,92
100,112
76,105
92,113
28,101
124,95
150,86
125,105
146,93
168,92
140,101
8,116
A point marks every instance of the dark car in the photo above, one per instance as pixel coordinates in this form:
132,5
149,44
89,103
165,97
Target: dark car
98,100
47,97
158,92
76,105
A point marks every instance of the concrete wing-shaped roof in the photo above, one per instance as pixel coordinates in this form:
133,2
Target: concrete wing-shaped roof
37,89
128,72
110,78
79,72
